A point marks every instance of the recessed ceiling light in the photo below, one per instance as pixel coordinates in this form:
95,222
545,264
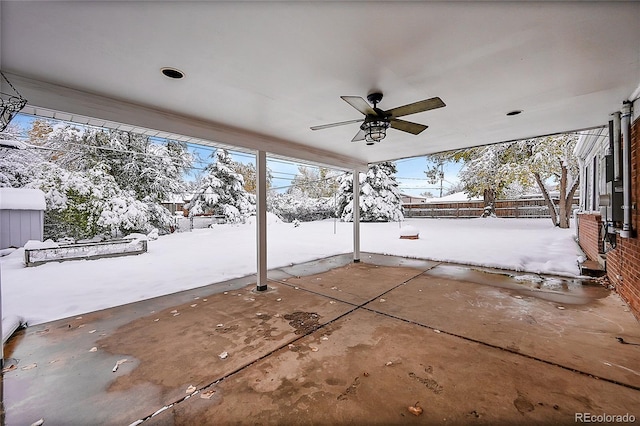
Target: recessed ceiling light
514,112
172,72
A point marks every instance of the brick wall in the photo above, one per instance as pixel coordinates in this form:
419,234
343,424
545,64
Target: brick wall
589,234
623,263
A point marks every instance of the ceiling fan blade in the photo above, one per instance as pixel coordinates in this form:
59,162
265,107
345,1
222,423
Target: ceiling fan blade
342,123
416,107
359,136
407,126
360,104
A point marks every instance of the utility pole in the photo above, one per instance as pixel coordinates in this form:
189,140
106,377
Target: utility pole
441,177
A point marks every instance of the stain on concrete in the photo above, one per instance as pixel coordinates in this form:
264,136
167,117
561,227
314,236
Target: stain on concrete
430,384
351,390
523,404
303,322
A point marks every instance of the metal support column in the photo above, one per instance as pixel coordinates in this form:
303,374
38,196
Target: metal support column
261,218
356,216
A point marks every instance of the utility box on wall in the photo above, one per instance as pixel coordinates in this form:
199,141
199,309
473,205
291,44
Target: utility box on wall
21,216
614,202
614,190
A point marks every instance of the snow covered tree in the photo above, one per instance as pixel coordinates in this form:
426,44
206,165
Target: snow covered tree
379,197
248,172
83,204
152,171
64,144
39,132
314,182
489,171
221,191
96,180
552,157
435,171
16,165
485,174
515,167
290,207
454,188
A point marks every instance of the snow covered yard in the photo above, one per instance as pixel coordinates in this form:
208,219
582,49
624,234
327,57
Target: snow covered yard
187,260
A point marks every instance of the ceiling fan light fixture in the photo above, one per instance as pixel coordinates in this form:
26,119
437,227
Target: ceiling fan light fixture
375,130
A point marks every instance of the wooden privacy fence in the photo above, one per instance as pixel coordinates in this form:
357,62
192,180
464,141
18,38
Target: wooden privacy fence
521,208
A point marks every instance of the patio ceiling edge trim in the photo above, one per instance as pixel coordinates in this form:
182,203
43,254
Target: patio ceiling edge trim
42,94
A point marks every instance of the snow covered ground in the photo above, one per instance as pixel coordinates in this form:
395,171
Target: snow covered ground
187,260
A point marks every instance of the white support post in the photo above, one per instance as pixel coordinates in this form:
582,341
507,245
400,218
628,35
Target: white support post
1,340
356,216
261,219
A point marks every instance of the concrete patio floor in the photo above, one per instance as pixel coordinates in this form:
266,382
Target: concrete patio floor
333,342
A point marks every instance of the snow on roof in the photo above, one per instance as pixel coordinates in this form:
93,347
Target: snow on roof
175,198
7,143
457,196
22,199
417,197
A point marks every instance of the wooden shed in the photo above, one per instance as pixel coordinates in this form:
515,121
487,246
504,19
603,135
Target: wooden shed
21,216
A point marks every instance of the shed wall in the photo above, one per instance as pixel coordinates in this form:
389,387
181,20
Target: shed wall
19,226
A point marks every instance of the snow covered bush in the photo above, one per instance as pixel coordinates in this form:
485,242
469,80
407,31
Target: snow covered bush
379,197
296,206
221,192
73,201
84,204
123,213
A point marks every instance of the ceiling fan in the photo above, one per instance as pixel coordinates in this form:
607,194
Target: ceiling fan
376,121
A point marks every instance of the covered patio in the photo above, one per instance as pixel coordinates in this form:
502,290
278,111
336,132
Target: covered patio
272,78
339,340
333,342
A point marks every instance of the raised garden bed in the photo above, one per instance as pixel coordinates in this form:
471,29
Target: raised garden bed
87,251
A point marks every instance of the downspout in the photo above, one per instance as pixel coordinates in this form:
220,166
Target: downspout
616,146
583,192
626,169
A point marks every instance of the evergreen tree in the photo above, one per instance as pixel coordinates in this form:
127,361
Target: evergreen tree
379,197
221,191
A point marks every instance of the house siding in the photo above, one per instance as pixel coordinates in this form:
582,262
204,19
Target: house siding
623,262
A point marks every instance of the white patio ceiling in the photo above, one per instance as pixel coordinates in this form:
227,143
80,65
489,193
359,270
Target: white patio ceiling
260,74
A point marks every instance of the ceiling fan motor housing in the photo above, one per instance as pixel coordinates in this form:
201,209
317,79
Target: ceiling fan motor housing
374,98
